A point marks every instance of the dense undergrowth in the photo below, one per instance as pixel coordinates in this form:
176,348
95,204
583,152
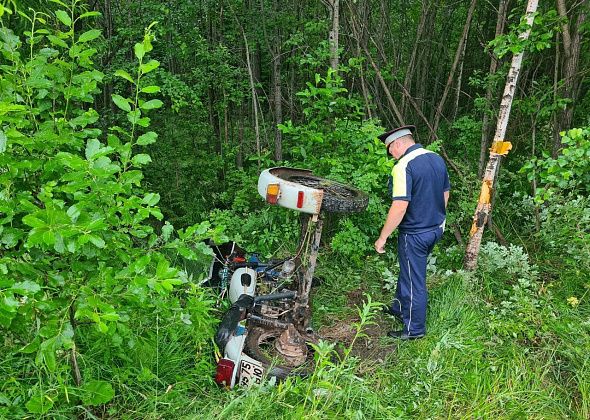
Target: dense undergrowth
93,281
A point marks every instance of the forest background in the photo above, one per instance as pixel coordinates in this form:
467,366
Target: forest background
124,143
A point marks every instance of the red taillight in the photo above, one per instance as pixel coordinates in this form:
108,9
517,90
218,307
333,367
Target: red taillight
224,373
272,193
300,199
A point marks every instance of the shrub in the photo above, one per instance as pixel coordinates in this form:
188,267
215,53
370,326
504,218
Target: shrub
82,262
514,297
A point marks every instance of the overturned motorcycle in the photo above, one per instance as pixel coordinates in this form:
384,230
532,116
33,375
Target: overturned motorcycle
267,330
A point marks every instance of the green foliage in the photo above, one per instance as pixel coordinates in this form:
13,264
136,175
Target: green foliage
542,32
569,173
82,260
515,303
345,148
565,239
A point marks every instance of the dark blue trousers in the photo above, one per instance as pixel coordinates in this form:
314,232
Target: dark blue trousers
411,295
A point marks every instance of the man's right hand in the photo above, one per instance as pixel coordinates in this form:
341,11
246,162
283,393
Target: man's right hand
380,245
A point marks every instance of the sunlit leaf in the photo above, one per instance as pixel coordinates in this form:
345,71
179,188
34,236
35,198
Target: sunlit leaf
124,75
147,138
89,35
121,102
64,18
152,104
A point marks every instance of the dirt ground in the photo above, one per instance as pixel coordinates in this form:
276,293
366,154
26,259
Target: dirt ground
373,348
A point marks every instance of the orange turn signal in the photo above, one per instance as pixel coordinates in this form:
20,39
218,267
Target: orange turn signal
272,193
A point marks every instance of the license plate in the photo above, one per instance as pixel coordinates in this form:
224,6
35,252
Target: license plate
250,373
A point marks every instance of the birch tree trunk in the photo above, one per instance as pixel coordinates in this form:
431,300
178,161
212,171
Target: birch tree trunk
486,126
499,148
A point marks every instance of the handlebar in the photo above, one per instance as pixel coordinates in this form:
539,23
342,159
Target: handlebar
256,264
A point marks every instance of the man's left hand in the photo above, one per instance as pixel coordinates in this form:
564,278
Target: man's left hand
380,245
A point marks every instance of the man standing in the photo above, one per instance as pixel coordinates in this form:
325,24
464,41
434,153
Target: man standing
420,195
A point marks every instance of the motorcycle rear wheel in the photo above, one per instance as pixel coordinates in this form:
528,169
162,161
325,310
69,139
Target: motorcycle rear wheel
338,197
260,345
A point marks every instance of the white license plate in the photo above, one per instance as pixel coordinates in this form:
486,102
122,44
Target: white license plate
250,373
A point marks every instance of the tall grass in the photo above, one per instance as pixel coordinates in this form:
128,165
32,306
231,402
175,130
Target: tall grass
459,370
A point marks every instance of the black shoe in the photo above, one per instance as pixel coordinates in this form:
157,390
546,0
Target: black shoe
388,311
403,336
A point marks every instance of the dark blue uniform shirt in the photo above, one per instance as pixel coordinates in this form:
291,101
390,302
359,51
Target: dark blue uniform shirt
420,177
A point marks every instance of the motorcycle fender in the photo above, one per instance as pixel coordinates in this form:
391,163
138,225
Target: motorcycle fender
233,351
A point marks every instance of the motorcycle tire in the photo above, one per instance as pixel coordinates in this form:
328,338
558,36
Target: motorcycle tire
338,197
257,336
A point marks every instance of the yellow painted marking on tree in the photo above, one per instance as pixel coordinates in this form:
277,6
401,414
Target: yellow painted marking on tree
501,147
473,228
486,192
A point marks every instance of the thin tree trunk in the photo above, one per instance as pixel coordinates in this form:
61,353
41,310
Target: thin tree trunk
397,115
500,22
399,119
252,90
73,357
360,38
412,62
556,115
418,111
240,154
458,55
333,7
459,84
572,38
498,149
278,105
334,58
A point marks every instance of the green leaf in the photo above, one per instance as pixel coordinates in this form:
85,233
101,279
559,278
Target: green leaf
121,102
39,404
151,89
139,51
133,116
31,347
124,75
92,148
57,41
151,199
152,104
97,392
64,18
89,14
142,263
162,268
97,241
167,230
34,222
141,159
58,245
46,354
144,122
9,303
73,212
49,237
149,66
26,287
147,138
89,35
